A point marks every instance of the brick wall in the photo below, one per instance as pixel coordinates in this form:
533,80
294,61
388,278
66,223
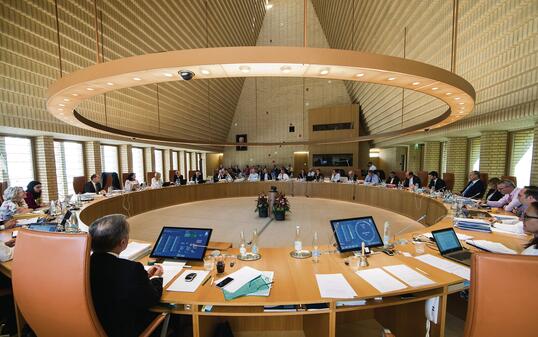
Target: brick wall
432,156
92,157
126,159
457,161
149,160
534,167
493,152
46,167
414,157
167,165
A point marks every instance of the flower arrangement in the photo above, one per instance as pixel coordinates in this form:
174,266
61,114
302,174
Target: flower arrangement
261,202
281,203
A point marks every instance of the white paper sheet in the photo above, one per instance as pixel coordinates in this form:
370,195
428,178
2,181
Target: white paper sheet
240,278
409,275
189,287
135,250
334,286
29,221
381,280
505,217
446,265
494,247
170,269
516,228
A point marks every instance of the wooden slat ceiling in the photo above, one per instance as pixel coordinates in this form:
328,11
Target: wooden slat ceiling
496,51
126,28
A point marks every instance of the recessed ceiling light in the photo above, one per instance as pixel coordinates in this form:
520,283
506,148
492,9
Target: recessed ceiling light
244,69
137,79
60,109
307,104
168,74
416,83
324,71
109,83
74,95
90,89
205,71
448,93
391,78
457,98
285,69
329,81
461,103
61,104
435,88
66,99
359,75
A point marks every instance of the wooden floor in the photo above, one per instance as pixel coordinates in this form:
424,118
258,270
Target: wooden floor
229,216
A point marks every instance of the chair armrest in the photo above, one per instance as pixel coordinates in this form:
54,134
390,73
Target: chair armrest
154,325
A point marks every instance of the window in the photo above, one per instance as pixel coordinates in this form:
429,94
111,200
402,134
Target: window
174,160
188,162
521,156
159,161
109,158
444,155
333,159
474,154
332,127
16,161
69,163
182,163
138,163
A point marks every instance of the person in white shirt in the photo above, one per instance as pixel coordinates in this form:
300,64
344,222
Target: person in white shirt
13,203
530,225
372,178
510,200
371,166
156,181
283,175
335,176
131,184
253,176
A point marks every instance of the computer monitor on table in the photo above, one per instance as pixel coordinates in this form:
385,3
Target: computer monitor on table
351,233
182,243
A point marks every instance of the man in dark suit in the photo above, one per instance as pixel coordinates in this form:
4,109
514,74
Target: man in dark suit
411,180
122,290
198,178
393,178
475,187
94,185
436,184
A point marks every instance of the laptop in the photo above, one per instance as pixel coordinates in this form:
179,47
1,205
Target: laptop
450,247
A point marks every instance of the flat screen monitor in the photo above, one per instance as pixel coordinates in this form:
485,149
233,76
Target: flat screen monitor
351,233
182,243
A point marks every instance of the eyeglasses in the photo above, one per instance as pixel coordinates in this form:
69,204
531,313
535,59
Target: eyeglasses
526,217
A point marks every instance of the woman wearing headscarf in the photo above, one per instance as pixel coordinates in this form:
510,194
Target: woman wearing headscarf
33,195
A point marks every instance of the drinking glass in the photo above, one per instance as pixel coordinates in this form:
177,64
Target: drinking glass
209,263
420,247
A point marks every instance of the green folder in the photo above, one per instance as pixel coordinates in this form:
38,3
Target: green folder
257,284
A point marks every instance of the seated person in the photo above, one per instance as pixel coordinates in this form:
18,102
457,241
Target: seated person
197,177
509,199
131,184
372,178
13,203
436,184
33,195
493,193
335,176
8,224
94,185
475,187
156,181
253,176
302,175
411,180
283,175
318,176
351,176
371,166
393,178
122,290
526,196
265,175
178,178
530,225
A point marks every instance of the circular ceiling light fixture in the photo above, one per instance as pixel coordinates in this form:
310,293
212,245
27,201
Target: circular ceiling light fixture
285,69
230,62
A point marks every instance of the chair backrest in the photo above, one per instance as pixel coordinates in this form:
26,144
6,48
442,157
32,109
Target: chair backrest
484,177
124,178
3,187
502,305
107,182
449,180
78,184
423,175
149,176
192,172
51,284
400,175
514,179
171,175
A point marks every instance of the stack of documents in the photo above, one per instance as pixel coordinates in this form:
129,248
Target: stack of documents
135,250
446,265
516,228
182,285
247,281
507,218
489,246
334,286
472,225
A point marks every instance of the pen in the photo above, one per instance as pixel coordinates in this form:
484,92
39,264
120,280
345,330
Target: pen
211,281
207,279
422,271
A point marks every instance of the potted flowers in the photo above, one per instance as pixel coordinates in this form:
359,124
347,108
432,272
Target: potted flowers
280,207
262,206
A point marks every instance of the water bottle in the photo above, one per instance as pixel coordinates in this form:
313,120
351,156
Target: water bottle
242,244
315,248
78,202
52,208
386,234
297,244
254,245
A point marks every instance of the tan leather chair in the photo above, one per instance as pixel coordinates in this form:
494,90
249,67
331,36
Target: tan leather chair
78,184
503,294
423,176
449,180
512,178
484,177
51,285
400,175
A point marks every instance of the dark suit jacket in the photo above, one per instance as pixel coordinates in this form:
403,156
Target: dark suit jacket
416,180
394,180
198,179
262,176
122,294
439,185
495,195
476,191
88,187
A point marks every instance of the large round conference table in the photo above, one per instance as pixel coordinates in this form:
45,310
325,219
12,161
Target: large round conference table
295,282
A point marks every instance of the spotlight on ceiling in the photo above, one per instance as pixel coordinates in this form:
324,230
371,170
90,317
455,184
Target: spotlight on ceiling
186,75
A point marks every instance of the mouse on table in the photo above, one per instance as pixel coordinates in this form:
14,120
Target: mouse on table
189,277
